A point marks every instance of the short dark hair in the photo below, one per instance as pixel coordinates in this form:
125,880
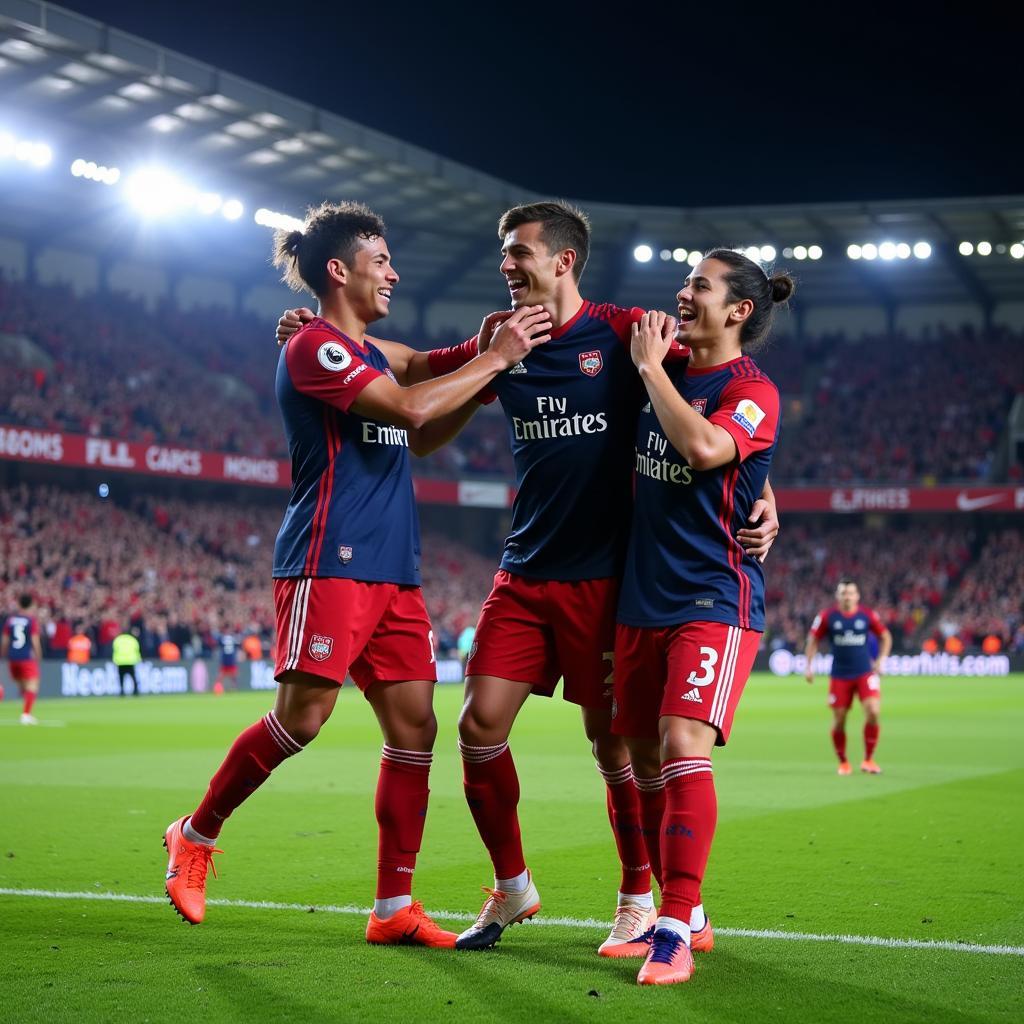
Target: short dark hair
332,231
846,581
563,226
746,280
25,600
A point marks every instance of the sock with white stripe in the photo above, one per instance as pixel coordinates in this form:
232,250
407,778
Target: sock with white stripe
401,808
492,791
627,828
688,827
651,794
251,759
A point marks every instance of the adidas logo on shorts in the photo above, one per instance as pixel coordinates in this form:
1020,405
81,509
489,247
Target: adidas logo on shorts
693,695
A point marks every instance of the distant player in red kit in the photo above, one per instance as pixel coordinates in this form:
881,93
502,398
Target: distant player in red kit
20,645
346,561
847,625
691,611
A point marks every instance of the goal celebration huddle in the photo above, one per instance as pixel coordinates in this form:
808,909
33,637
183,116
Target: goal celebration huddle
632,571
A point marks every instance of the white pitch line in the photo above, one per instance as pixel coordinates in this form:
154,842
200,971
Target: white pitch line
566,922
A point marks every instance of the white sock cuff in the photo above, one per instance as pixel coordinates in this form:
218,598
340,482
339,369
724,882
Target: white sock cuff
649,785
277,732
617,777
422,758
478,755
686,767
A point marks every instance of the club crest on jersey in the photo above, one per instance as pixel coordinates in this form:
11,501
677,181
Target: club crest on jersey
748,415
320,647
332,356
591,363
700,404
345,554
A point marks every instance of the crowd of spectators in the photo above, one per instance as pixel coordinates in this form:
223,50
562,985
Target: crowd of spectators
175,570
878,409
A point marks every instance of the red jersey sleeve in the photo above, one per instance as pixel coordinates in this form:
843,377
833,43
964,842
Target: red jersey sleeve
875,624
749,411
323,366
622,321
819,627
447,360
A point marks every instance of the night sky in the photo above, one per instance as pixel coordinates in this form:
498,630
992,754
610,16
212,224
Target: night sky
715,105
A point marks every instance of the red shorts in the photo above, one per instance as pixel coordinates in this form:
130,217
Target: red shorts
24,671
229,670
375,632
536,631
841,691
695,670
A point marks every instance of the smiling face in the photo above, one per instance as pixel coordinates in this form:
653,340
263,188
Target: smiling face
531,270
705,311
368,279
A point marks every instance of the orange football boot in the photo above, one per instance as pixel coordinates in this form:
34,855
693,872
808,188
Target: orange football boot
845,768
704,940
187,865
870,766
668,962
631,932
410,926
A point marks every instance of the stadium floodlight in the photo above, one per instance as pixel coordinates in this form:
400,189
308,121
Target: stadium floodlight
1017,251
903,250
887,251
752,252
93,171
7,144
854,251
787,253
800,252
38,154
679,255
815,252
922,250
984,248
665,254
965,248
694,257
154,191
643,254
232,209
869,251
273,219
768,253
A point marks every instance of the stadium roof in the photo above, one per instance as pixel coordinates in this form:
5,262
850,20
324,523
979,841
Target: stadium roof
96,93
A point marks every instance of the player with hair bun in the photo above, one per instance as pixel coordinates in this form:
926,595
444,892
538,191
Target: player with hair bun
691,611
346,561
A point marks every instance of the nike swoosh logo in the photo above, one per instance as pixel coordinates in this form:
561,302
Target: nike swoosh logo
968,504
171,874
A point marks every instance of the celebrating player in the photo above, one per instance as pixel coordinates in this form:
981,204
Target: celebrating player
846,626
571,410
19,643
691,612
346,562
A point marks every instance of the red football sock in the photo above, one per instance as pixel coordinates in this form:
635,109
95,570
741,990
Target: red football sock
651,794
870,739
251,759
492,792
839,742
28,702
624,816
691,812
401,807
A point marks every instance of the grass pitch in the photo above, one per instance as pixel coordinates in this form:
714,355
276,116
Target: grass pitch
929,851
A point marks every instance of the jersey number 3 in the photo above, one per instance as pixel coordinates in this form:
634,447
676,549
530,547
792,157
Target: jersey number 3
708,661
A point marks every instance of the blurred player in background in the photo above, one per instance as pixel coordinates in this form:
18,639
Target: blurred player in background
691,612
848,626
229,649
571,410
346,562
20,645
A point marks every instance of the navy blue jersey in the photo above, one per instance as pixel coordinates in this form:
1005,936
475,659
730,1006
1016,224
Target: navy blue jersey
571,408
351,512
19,630
684,562
228,650
849,636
